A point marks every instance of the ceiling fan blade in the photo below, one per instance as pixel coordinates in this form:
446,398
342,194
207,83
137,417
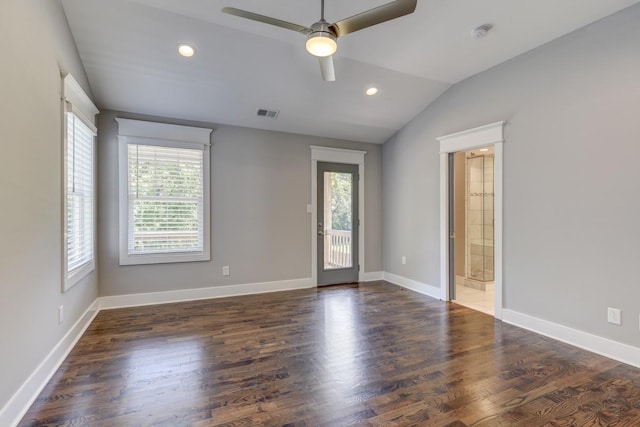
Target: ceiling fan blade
374,16
267,20
326,68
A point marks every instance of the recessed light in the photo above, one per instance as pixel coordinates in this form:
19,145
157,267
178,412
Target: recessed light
371,91
484,149
186,50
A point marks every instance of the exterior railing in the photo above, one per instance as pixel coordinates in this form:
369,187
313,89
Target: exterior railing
337,249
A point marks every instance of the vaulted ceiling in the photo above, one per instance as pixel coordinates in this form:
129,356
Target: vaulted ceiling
129,50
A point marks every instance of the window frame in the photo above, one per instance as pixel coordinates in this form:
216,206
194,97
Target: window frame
75,101
165,135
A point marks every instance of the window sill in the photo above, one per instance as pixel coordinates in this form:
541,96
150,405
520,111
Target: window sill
127,259
76,275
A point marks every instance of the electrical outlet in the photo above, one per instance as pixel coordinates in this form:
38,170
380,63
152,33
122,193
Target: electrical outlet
614,315
404,260
60,314
225,270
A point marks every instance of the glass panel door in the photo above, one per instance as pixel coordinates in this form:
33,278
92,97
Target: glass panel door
337,223
338,220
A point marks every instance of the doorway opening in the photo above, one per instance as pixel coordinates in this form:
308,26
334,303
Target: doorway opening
473,236
488,137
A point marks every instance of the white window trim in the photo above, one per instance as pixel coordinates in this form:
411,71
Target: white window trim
136,131
491,134
75,99
336,155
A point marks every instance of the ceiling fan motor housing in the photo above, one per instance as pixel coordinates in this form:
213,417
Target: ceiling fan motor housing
321,41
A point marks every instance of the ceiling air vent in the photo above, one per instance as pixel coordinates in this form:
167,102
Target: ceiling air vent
270,114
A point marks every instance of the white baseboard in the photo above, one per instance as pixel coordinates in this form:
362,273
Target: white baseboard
371,276
135,300
414,285
21,401
593,343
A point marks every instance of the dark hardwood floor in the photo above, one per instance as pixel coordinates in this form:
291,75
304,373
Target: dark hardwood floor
369,355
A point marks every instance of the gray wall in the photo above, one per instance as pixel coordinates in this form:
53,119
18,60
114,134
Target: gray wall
260,188
571,177
37,46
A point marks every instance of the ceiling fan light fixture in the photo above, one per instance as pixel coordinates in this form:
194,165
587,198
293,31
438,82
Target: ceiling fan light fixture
321,44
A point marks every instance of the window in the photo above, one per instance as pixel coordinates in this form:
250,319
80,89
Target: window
79,223
164,193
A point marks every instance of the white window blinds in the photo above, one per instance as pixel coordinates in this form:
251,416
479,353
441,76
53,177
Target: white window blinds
78,184
164,181
79,164
166,203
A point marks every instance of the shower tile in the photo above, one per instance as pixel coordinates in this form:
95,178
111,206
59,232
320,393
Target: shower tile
474,232
488,232
476,187
475,217
488,216
477,252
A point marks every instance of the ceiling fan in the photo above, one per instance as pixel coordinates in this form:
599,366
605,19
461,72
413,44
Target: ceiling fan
322,36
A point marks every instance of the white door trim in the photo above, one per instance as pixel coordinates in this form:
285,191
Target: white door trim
491,134
335,155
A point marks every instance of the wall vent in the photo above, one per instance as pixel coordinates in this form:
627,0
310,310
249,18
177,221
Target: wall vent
270,114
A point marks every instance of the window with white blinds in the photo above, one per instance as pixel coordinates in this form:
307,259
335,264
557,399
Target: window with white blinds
80,194
79,184
165,199
164,192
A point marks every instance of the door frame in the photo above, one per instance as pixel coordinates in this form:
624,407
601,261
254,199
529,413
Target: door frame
335,155
491,134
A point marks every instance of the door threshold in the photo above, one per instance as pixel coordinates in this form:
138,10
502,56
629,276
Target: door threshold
350,284
484,310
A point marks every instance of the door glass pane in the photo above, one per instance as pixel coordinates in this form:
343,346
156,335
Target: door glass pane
337,220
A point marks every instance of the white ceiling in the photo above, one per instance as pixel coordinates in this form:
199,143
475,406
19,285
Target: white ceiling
128,48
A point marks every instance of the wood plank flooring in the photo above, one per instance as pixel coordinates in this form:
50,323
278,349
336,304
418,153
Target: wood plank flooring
368,355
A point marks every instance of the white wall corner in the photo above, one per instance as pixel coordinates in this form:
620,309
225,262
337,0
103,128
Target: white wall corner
21,401
414,285
584,340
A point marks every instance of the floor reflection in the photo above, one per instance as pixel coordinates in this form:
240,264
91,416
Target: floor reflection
340,326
